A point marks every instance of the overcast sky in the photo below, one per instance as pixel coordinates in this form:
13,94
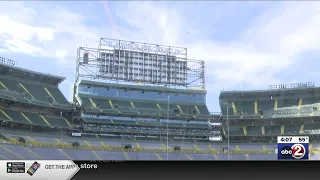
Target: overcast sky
247,45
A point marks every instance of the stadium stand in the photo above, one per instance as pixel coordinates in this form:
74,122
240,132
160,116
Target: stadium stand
261,116
31,87
45,146
131,107
110,121
33,109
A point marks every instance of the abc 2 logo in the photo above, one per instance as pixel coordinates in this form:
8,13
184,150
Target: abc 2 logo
293,151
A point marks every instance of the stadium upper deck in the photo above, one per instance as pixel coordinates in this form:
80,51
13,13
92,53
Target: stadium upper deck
271,103
262,115
31,99
31,87
144,110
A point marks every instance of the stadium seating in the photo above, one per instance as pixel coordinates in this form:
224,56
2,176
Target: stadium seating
58,96
236,131
312,129
144,156
86,102
15,116
82,154
309,100
33,118
275,108
42,139
254,130
269,104
121,103
203,109
114,111
272,130
291,129
226,110
8,151
287,103
50,153
247,107
145,104
262,157
112,155
20,152
203,157
11,84
98,120
257,147
35,91
58,122
265,105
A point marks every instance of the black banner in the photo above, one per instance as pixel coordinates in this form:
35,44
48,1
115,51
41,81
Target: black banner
194,170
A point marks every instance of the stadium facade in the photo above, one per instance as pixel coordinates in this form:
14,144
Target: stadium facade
138,101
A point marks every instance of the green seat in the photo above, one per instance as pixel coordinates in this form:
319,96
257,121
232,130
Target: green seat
37,91
6,94
187,109
287,102
121,103
11,84
148,123
203,109
254,130
171,124
16,116
308,100
164,105
35,119
145,104
292,129
102,103
129,111
198,126
127,122
58,96
312,128
265,105
236,131
3,117
247,107
272,130
226,110
98,120
57,122
85,102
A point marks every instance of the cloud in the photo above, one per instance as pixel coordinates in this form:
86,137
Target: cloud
15,36
247,43
270,45
54,34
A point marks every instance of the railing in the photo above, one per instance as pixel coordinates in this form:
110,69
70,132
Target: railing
121,149
215,113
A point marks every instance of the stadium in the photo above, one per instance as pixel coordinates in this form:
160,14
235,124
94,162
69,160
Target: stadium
138,101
